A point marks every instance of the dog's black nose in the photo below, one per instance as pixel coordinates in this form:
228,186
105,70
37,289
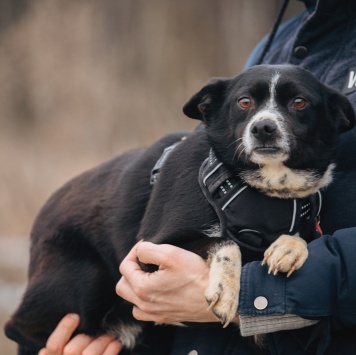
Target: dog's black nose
264,129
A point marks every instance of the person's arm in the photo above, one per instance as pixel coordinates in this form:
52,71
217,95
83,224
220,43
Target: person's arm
324,286
60,342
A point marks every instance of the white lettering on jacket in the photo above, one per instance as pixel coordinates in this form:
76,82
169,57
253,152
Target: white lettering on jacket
352,80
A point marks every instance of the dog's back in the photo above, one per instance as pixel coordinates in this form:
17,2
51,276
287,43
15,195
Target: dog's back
78,240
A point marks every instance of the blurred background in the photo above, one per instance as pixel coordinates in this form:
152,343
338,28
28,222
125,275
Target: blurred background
83,80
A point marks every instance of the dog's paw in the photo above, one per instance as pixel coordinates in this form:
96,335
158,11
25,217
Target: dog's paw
287,254
223,302
222,293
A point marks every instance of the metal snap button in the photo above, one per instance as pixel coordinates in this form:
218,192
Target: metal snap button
193,352
300,52
260,302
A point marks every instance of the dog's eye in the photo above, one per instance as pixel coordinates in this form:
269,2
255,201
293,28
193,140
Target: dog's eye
245,102
299,103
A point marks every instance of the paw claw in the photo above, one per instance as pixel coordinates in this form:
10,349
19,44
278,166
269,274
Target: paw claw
213,301
271,268
287,255
222,293
290,272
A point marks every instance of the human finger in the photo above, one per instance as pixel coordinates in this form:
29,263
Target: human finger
130,264
167,256
113,348
124,290
61,335
157,254
76,345
100,345
141,315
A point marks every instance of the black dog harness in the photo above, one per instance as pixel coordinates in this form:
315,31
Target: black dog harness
250,218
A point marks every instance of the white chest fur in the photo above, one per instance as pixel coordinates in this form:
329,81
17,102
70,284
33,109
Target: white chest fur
277,180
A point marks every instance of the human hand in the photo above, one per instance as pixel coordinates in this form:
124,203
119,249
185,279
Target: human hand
59,342
174,293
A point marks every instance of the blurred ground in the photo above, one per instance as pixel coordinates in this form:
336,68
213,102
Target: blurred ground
83,80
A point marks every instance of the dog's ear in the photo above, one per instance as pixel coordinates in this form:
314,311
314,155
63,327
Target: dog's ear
206,100
342,110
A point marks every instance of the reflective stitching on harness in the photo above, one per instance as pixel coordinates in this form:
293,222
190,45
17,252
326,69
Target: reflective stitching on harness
233,197
320,203
294,215
249,230
211,173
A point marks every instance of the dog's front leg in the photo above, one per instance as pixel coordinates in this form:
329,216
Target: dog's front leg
287,254
222,293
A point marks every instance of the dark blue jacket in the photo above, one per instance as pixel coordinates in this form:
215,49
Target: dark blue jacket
324,42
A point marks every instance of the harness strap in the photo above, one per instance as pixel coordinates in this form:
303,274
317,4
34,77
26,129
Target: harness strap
160,162
247,216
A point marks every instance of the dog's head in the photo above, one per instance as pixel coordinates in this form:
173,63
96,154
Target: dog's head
276,126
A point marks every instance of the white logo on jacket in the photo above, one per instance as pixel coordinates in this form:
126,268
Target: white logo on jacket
351,81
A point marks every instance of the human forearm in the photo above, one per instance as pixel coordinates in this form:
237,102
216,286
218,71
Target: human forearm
324,286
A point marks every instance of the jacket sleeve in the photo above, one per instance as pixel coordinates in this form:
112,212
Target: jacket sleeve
324,286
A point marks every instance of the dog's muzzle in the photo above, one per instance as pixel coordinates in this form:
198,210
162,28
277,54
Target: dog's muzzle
265,138
265,135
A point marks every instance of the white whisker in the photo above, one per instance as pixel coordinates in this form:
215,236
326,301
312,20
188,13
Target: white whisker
236,150
241,151
235,141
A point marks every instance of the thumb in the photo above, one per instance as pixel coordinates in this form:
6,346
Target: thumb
165,256
130,262
161,255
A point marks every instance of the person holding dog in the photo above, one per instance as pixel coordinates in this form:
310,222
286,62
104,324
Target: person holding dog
312,312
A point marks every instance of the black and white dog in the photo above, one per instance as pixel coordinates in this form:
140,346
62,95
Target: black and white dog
243,186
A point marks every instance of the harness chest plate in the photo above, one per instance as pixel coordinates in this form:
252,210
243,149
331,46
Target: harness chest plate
247,216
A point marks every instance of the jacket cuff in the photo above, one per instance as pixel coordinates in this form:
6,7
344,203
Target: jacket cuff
261,294
262,304
267,324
